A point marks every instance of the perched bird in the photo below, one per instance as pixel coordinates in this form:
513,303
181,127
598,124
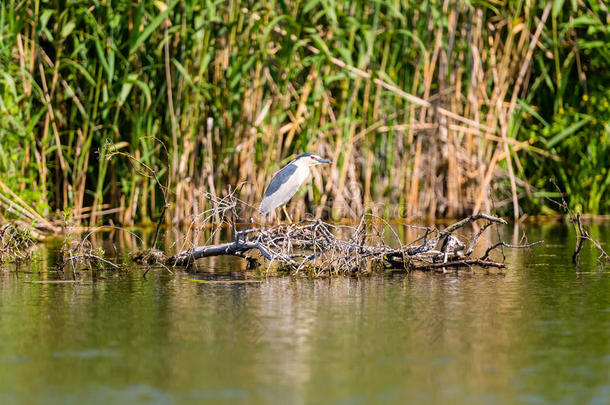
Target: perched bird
287,182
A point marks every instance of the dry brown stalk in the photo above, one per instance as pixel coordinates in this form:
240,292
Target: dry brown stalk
170,101
410,97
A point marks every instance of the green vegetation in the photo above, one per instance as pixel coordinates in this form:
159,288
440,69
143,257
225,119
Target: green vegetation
234,89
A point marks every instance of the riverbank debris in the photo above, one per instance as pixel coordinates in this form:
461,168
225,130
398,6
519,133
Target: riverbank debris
320,248
15,243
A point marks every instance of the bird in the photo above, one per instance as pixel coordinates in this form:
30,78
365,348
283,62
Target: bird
287,181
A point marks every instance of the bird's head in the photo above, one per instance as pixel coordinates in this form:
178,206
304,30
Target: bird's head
311,159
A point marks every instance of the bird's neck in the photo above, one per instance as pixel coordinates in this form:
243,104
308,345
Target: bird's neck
302,165
303,171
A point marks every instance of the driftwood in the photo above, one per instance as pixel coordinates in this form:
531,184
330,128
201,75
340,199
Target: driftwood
321,248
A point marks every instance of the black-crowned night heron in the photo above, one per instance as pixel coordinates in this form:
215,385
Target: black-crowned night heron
287,182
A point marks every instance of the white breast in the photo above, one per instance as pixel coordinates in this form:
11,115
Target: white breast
302,173
290,189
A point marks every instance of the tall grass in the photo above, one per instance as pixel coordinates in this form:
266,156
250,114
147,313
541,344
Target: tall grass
438,108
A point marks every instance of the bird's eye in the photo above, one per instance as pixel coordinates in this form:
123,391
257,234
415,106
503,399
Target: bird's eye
312,158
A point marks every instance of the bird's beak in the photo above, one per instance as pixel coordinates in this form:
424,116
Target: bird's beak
324,161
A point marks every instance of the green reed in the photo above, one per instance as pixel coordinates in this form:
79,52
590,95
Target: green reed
211,94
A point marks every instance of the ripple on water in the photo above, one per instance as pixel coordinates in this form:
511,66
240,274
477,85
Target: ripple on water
86,354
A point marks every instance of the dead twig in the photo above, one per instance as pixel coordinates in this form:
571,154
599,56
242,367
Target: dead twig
583,236
503,244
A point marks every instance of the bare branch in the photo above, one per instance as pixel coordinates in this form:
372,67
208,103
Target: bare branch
499,244
471,219
583,236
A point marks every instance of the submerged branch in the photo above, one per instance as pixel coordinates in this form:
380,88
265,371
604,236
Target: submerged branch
583,236
461,263
503,244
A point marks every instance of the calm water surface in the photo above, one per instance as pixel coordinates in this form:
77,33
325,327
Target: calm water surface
537,333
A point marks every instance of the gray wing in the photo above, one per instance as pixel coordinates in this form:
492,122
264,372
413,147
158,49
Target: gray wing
280,178
272,198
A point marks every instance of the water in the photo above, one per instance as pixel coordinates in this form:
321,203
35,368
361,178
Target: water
536,333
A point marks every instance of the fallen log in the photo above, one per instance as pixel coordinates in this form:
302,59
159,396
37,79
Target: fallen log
187,257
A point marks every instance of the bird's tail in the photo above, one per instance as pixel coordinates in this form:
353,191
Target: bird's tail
264,208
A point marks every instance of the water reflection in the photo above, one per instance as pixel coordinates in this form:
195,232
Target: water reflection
530,334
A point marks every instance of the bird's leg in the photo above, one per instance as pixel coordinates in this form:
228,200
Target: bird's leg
286,213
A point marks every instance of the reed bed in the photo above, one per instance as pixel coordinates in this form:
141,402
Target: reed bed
427,109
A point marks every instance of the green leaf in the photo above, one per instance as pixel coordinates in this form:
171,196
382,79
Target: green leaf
568,131
67,29
32,123
532,112
183,71
557,6
44,18
11,83
269,27
310,5
321,45
126,88
80,68
102,57
151,27
146,90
